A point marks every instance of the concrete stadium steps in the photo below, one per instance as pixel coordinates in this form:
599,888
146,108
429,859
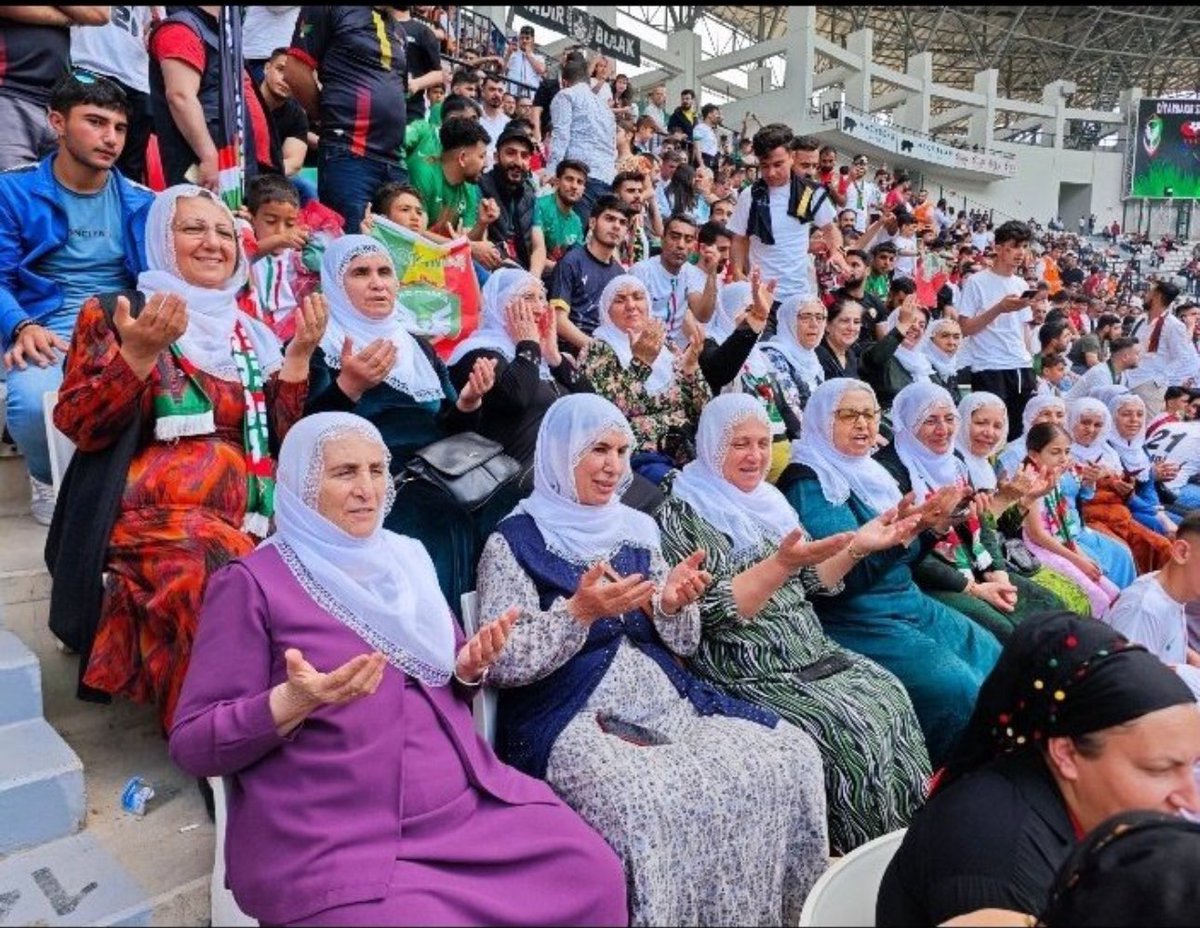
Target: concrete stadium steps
120,869
41,784
14,484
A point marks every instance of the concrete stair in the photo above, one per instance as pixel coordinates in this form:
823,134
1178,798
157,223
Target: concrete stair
119,869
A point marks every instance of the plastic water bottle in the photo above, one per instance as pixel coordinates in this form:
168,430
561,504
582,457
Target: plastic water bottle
135,795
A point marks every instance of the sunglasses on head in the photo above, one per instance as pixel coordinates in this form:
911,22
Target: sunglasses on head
84,76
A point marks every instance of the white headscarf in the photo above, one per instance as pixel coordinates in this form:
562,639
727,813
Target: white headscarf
212,312
983,475
1012,456
804,361
762,516
1099,451
1134,458
575,531
383,587
493,335
928,470
946,365
411,373
913,360
732,299
662,371
841,474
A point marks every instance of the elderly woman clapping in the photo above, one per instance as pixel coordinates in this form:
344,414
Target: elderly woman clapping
332,686
628,363
761,639
174,399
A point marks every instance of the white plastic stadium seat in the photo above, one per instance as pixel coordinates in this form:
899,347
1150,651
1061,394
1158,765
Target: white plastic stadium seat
485,702
225,911
846,892
61,447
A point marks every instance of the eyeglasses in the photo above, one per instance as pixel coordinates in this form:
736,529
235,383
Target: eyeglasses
950,336
812,317
853,415
201,230
950,420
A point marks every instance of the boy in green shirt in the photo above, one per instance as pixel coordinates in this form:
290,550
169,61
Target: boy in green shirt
554,218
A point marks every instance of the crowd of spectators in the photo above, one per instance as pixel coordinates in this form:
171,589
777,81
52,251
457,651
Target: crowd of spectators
836,509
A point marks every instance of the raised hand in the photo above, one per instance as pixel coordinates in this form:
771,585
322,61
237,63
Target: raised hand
161,322
886,531
596,597
308,688
489,211
710,259
762,296
311,317
520,321
795,552
480,381
685,583
368,221
367,369
484,648
937,510
689,361
649,342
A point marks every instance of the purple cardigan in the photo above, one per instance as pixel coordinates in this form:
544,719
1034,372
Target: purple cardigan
314,819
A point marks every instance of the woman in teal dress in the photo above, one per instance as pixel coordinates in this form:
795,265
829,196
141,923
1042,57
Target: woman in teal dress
939,655
368,364
760,637
965,569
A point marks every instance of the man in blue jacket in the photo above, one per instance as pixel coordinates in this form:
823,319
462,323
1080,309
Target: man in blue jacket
70,227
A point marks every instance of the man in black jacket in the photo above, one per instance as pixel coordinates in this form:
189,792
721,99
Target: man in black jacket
506,183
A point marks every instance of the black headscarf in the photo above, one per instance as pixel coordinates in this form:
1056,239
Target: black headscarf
1136,868
1060,675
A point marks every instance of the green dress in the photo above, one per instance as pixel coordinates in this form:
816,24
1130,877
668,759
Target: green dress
876,765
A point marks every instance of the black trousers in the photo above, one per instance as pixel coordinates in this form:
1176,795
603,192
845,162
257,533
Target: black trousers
1015,387
132,162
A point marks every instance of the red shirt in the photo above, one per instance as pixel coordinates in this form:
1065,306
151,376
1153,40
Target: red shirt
176,41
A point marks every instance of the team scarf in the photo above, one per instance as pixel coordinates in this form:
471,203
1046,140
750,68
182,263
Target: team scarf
1057,517
182,409
967,557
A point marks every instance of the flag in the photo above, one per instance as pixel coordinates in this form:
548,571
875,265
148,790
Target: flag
439,293
231,109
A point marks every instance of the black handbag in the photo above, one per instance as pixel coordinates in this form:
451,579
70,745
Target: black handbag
1018,557
467,467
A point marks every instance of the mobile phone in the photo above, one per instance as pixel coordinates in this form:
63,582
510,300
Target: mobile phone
628,731
1029,294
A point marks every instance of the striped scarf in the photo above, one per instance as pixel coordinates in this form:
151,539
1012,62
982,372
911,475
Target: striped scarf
182,409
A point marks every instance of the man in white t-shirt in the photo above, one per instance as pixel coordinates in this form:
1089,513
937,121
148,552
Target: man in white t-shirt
705,144
676,286
1179,443
524,66
771,221
993,312
1152,613
861,195
494,119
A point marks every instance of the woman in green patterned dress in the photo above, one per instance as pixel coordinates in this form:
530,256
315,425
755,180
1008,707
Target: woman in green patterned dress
761,640
982,426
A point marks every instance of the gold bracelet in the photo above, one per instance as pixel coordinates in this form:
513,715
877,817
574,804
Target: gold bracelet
855,555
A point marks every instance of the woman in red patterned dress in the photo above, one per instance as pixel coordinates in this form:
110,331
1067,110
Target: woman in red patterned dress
209,392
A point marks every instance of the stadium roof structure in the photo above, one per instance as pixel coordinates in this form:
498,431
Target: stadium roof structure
1102,49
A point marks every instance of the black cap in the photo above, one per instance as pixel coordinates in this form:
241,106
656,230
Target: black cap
510,134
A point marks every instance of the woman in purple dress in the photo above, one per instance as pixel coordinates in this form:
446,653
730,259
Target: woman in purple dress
330,685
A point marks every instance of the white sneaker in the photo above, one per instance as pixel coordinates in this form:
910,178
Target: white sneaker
42,504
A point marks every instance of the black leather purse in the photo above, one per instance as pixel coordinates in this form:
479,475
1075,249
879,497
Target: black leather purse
467,467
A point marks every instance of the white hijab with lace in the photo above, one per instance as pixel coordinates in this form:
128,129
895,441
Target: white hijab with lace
750,520
212,311
575,531
411,372
928,470
383,587
662,371
501,289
